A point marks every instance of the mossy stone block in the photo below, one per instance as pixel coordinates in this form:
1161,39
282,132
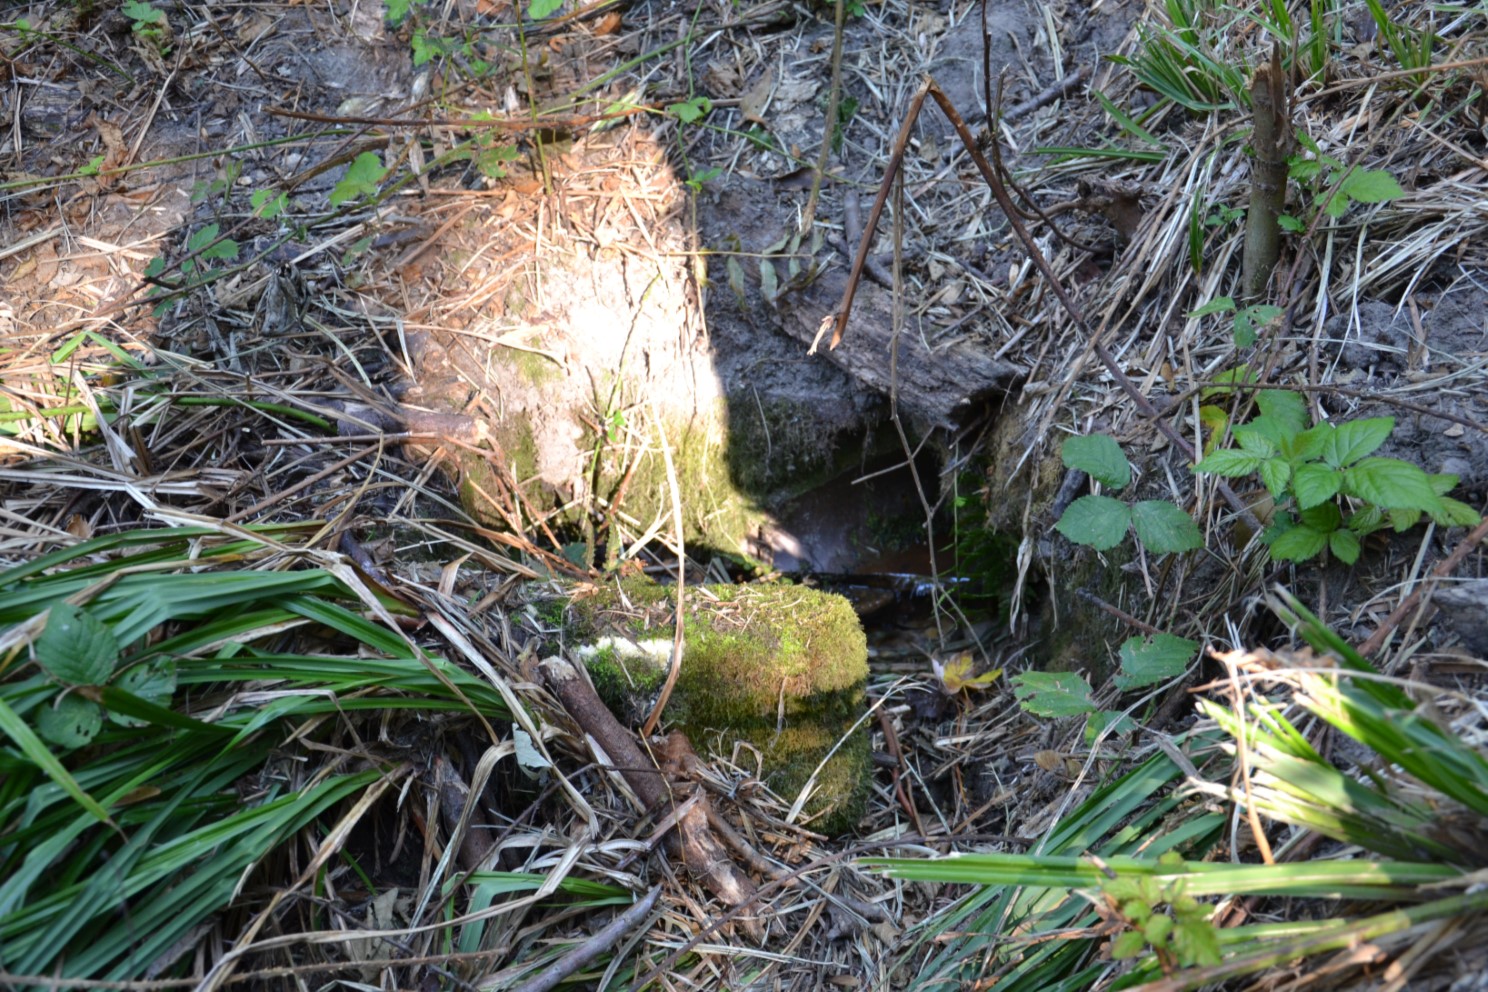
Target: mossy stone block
782,668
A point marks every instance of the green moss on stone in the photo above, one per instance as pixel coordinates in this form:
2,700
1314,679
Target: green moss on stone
780,667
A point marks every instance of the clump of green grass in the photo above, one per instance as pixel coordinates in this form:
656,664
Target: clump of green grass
1136,863
153,693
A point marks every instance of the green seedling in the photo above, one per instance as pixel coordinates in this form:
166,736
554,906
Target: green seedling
1247,321
1102,522
1318,174
1145,661
1328,488
148,24
1162,920
361,179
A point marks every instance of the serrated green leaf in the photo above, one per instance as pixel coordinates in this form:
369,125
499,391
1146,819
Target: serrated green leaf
1099,456
71,723
1455,513
1053,694
1097,521
691,111
1443,482
1299,544
76,647
142,13
36,751
1155,659
1196,943
1230,462
1313,484
1345,546
1403,520
1372,186
1254,438
1249,321
539,9
1220,304
1163,527
395,11
1128,945
268,203
361,179
1355,439
1275,474
1392,484
1287,408
1323,517
1116,720
154,267
202,237
1157,928
1313,442
153,682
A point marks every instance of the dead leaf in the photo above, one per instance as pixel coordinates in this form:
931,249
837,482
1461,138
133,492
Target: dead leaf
608,24
956,674
756,100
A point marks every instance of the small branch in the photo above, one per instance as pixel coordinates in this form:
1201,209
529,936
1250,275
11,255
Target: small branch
700,851
1046,96
593,947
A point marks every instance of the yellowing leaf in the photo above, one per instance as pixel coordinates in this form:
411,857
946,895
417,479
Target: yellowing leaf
956,674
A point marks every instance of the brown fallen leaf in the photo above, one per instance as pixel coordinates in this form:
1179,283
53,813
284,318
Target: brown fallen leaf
756,100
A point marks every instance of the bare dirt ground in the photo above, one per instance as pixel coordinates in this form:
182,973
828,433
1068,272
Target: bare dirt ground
517,245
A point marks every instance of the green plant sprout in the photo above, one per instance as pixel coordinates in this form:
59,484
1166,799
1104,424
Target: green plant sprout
1163,920
1145,661
361,179
149,25
1247,320
1101,522
1314,474
1320,173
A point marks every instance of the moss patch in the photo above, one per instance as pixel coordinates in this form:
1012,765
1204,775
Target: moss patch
780,667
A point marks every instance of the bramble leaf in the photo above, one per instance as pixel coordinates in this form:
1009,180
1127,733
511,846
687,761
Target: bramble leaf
1253,437
1220,304
1313,484
154,682
1156,659
1128,945
1455,513
1355,439
361,179
1372,186
1299,544
1163,527
1097,521
1345,546
268,203
1099,456
76,647
1287,408
691,111
72,722
1392,484
1230,462
1275,474
1053,694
